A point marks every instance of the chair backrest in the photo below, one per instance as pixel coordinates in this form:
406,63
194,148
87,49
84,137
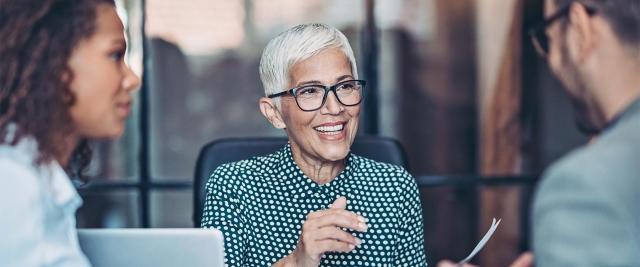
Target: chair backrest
228,150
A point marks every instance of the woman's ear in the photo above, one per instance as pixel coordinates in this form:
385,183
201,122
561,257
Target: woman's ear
271,112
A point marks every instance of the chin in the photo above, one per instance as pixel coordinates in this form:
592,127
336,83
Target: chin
112,133
334,153
118,133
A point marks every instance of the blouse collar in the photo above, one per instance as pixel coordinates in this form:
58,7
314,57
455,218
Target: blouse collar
302,184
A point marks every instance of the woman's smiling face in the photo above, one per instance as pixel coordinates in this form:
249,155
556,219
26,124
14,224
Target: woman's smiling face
325,134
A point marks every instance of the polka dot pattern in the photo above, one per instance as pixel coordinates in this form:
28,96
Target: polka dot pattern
260,205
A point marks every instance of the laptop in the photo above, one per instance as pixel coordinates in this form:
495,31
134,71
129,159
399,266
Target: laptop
152,247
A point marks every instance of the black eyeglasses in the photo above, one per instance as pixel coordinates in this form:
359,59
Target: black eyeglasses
539,35
312,97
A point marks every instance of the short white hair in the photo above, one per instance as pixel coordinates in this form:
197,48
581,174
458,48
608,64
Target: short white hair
297,44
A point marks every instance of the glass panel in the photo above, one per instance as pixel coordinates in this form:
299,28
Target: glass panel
117,159
171,208
457,216
400,23
427,67
204,81
512,205
113,209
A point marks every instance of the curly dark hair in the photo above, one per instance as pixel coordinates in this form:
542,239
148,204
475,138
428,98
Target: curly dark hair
37,40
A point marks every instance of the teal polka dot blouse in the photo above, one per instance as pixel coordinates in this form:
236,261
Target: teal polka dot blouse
260,204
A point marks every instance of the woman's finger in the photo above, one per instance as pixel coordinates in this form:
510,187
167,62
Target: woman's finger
338,218
330,232
333,246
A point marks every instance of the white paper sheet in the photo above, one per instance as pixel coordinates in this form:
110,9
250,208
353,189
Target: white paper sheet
483,241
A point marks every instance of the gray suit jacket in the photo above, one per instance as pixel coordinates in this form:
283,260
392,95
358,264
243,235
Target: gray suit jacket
587,208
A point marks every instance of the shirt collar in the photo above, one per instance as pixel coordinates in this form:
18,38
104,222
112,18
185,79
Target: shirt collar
303,185
58,185
630,111
63,192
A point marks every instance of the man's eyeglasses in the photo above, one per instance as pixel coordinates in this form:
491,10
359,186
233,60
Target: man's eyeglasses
313,97
539,35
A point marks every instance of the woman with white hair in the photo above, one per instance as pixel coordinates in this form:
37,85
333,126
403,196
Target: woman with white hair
313,202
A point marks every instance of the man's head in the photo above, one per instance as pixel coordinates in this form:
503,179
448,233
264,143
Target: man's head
589,44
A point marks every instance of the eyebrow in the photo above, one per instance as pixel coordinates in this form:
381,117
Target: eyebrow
313,82
119,41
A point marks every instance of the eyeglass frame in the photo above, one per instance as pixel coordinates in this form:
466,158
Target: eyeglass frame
540,29
292,92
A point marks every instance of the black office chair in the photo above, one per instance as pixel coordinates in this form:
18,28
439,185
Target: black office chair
228,150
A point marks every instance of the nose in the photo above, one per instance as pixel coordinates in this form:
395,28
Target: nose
131,81
332,105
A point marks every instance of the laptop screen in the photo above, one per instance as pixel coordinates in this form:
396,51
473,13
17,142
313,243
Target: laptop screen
152,247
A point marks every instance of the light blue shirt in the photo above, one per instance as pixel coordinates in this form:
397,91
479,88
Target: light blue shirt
38,205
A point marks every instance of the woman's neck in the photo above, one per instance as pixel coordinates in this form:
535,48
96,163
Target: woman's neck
65,156
321,172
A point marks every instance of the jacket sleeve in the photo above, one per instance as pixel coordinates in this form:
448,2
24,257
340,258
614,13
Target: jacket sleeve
579,220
